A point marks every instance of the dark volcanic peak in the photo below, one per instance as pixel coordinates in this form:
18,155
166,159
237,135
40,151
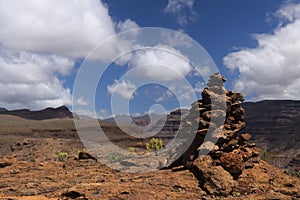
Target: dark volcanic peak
2,109
48,113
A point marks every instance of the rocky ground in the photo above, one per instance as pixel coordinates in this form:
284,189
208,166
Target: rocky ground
87,179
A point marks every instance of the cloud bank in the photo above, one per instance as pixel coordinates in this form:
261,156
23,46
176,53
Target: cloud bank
31,80
39,43
64,27
272,69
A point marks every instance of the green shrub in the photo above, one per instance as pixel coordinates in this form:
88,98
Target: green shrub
132,149
154,144
62,156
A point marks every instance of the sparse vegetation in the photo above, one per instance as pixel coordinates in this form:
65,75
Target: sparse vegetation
61,156
116,157
154,144
293,173
271,158
84,150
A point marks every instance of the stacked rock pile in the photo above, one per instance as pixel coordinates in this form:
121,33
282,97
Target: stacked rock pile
212,129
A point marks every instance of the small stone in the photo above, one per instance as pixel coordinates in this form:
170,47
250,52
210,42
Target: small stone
72,194
250,145
125,192
5,162
84,155
216,148
123,180
100,181
248,164
14,171
246,136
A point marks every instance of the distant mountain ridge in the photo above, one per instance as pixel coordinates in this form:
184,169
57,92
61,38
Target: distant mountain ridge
274,124
165,124
273,120
275,128
48,113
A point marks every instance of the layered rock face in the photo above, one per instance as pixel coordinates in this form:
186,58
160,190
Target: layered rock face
275,127
213,124
171,124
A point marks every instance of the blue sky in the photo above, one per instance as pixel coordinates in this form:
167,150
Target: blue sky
254,43
219,26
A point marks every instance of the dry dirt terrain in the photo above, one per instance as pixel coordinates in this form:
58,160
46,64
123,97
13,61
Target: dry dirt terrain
89,180
29,170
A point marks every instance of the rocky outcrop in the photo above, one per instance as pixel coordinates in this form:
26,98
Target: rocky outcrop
213,124
48,113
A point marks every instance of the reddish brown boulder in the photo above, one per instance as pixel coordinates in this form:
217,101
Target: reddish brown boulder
233,163
213,179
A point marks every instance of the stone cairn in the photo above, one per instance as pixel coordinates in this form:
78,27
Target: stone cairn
213,124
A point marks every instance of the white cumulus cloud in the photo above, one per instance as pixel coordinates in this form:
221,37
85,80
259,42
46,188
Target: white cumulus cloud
31,80
124,88
272,69
160,63
64,27
40,40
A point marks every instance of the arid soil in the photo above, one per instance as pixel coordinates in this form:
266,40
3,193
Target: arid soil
29,170
87,179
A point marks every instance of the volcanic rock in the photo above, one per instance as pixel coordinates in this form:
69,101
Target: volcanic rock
84,156
212,179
